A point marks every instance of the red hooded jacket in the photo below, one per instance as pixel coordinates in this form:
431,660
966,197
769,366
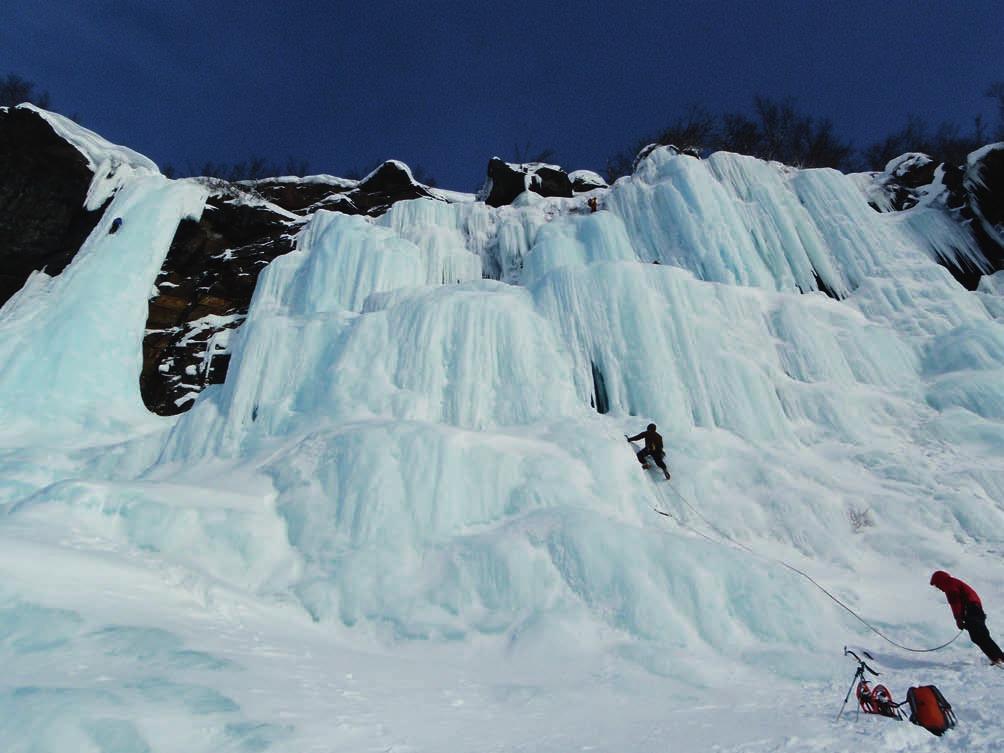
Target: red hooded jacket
958,593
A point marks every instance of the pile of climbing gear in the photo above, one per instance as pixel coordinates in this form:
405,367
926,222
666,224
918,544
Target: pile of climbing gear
928,707
871,700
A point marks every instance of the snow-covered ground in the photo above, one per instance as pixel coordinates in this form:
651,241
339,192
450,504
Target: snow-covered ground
401,524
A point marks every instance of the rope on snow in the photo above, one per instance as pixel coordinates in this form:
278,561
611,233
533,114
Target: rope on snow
726,537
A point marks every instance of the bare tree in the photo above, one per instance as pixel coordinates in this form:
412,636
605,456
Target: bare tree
739,133
527,153
912,137
996,92
784,134
252,168
945,144
775,130
15,90
696,130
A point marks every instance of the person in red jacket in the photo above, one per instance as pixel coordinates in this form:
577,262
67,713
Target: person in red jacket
969,614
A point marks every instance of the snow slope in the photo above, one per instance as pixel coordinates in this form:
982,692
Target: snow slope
404,523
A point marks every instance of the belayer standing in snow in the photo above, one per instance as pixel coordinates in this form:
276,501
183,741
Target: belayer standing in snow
969,614
653,448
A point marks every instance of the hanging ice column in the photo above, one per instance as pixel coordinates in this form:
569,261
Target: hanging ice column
408,520
692,353
451,237
80,334
740,220
345,329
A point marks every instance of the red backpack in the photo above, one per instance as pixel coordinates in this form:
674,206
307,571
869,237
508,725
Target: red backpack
930,710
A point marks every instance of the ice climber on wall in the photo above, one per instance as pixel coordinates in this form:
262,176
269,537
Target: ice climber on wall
653,448
969,614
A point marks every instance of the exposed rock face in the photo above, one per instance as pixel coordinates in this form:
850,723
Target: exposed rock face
304,196
506,181
43,186
373,195
388,184
204,292
983,183
972,193
210,273
904,177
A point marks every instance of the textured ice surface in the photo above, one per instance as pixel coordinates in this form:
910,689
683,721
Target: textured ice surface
409,519
71,346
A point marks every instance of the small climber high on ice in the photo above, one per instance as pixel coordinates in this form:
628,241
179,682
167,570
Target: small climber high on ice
653,449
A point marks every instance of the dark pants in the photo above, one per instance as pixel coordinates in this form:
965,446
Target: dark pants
976,624
657,457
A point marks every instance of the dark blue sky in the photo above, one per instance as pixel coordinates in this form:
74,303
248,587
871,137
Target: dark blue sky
446,85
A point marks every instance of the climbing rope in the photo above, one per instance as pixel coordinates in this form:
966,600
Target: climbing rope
724,535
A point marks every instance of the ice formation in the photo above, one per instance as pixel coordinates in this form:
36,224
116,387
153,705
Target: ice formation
405,453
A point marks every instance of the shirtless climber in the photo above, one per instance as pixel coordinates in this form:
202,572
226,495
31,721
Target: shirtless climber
653,448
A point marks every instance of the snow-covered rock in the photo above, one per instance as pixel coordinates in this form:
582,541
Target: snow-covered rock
970,193
203,291
586,180
44,185
507,180
984,183
111,165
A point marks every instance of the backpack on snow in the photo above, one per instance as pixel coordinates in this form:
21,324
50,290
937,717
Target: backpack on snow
930,710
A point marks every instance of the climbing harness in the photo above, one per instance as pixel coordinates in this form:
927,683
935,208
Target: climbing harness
726,537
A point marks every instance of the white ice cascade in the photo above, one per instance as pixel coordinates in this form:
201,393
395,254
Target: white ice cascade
80,334
742,221
399,414
421,437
